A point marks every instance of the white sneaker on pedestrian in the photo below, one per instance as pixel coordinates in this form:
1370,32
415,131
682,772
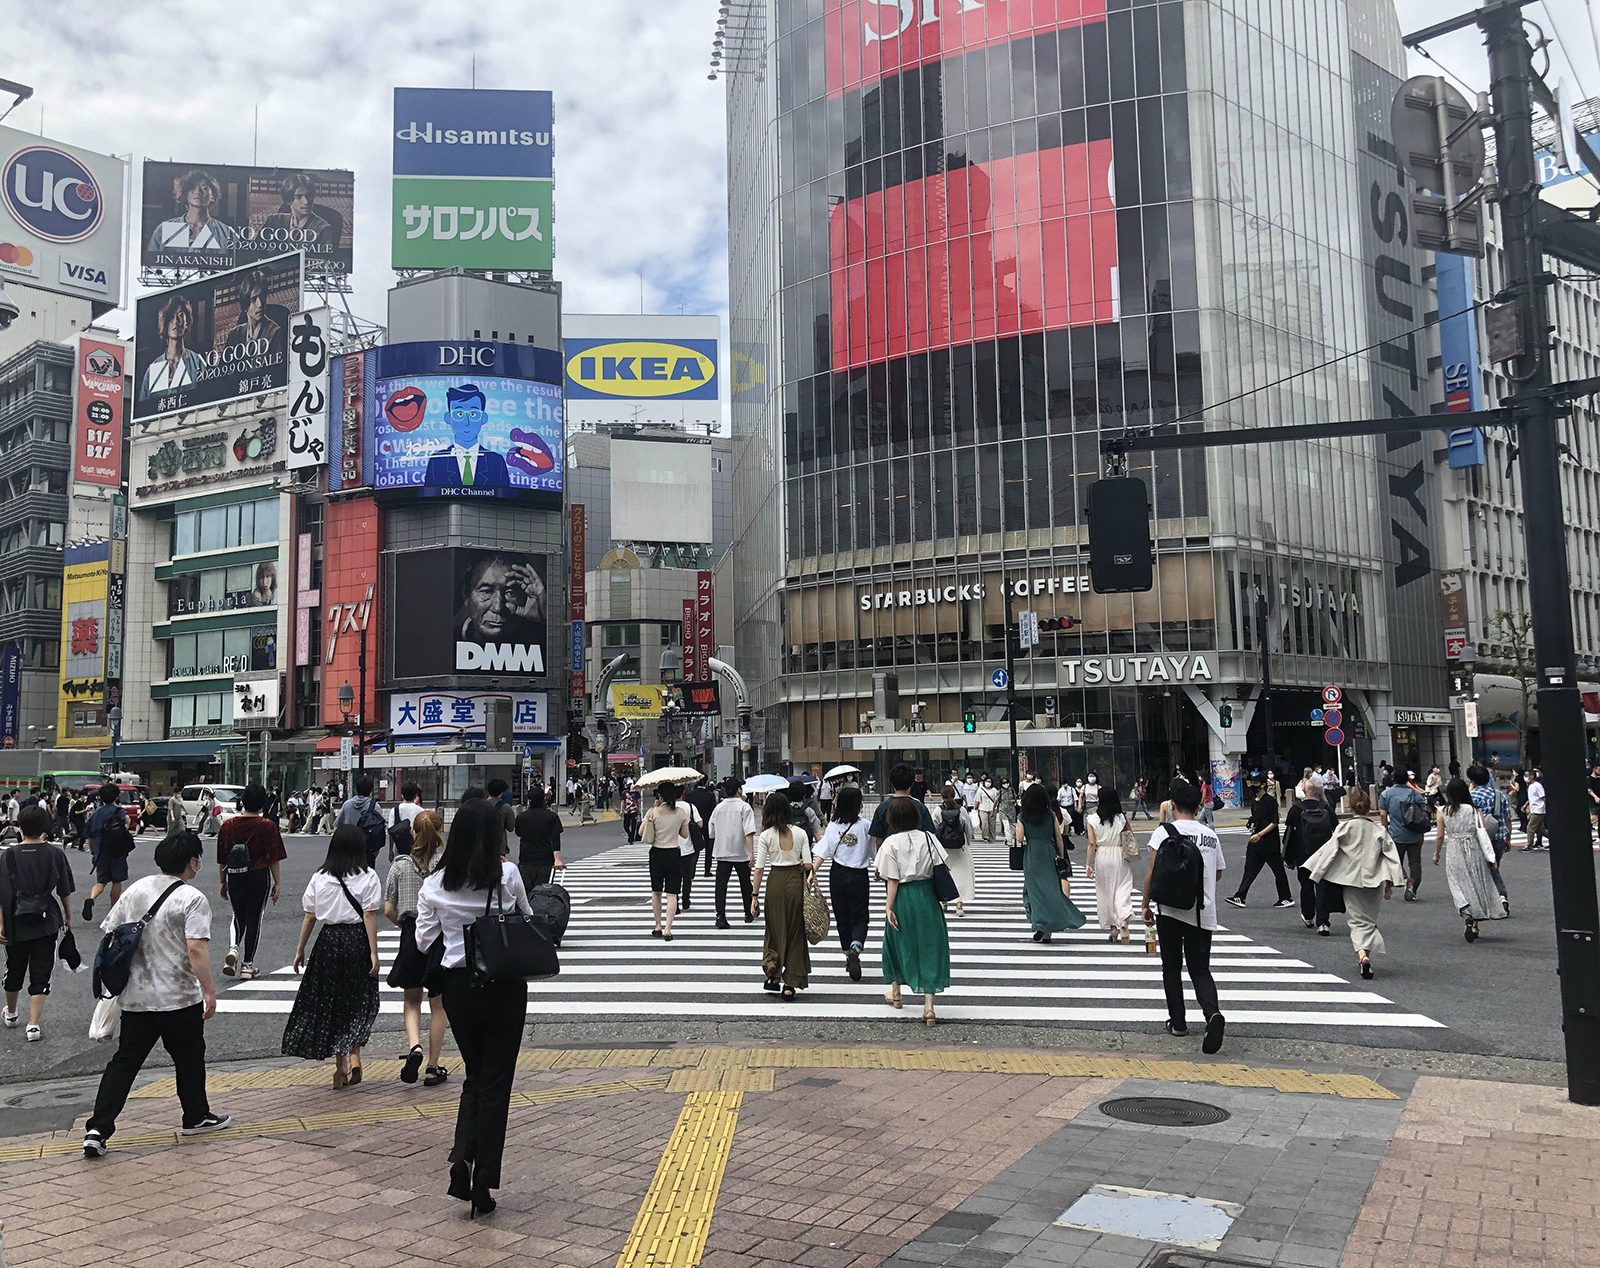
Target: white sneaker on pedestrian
33,1034
230,962
93,1146
210,1123
10,1018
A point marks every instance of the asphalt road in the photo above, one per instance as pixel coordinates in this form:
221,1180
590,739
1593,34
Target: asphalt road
1498,997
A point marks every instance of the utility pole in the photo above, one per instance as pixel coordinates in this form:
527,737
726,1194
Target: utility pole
1562,745
1266,683
1011,686
361,705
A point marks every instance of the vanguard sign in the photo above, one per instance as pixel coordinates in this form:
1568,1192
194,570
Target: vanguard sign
1134,671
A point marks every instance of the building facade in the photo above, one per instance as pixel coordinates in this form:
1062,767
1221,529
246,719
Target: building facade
970,243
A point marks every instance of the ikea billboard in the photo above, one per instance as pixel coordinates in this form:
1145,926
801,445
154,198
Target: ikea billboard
631,368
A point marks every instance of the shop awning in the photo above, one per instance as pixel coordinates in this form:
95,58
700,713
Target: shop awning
173,750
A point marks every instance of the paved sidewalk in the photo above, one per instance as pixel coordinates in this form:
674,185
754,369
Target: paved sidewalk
829,1157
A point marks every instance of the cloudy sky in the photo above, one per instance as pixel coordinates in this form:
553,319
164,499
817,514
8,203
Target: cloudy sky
640,177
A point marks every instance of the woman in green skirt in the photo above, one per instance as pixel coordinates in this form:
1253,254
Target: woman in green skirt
1038,831
916,942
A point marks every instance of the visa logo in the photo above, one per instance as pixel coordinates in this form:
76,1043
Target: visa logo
88,277
641,368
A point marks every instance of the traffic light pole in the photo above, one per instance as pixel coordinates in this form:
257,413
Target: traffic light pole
1266,684
1011,689
1561,734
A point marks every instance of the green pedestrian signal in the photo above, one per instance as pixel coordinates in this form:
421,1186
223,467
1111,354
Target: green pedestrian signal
1227,714
969,721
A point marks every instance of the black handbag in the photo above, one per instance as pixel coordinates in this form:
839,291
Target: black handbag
945,888
1016,857
508,946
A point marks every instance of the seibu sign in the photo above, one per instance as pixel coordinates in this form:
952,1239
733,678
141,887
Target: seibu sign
938,591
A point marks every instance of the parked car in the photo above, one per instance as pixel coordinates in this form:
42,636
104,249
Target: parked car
130,796
227,797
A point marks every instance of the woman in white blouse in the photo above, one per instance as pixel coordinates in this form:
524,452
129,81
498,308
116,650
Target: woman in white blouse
916,943
847,843
338,997
1111,873
783,856
485,1018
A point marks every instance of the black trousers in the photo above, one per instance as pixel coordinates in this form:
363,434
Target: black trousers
34,958
247,892
685,879
1318,898
851,891
1264,853
183,1034
725,867
486,1022
630,826
537,872
1411,861
1181,942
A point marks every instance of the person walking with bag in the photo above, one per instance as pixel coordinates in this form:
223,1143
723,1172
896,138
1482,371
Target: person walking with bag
1402,801
486,1017
169,995
1044,868
1181,881
916,939
110,843
1113,850
338,997
783,857
1362,860
665,830
249,853
733,846
35,883
630,814
847,844
1263,849
408,973
955,833
1496,812
1307,828
1462,837
539,841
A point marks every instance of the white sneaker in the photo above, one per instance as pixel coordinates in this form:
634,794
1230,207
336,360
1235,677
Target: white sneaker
10,1018
93,1146
33,1034
230,962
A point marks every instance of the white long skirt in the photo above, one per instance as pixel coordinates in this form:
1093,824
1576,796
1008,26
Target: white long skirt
961,872
1113,887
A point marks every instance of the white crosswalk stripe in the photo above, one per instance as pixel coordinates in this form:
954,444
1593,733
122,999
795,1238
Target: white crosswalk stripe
611,966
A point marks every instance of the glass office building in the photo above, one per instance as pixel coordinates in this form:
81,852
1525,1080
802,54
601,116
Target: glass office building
969,242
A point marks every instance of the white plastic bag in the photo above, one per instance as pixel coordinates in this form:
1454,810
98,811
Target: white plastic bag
107,1014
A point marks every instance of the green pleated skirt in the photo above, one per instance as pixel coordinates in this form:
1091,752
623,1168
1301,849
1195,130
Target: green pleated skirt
917,955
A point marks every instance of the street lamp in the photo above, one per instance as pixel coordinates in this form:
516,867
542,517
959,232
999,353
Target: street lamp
115,718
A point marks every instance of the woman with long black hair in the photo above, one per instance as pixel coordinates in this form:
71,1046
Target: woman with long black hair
486,1019
847,844
666,830
783,855
1461,836
338,997
1038,831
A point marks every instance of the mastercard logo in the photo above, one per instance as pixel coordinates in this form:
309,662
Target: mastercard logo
11,253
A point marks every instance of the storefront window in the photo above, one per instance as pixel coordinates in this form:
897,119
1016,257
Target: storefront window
190,717
223,589
224,527
218,652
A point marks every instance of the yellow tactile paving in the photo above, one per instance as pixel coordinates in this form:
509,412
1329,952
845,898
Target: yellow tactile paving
376,1115
1051,1065
674,1219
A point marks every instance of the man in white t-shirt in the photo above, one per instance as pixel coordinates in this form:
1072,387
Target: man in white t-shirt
733,847
1184,934
1536,812
170,994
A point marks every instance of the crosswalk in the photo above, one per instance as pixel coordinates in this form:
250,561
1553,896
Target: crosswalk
612,968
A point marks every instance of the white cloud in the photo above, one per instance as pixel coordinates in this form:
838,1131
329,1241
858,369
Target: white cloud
640,168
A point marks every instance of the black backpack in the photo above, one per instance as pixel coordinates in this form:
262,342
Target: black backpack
115,840
1414,816
1176,879
952,832
401,837
1316,826
372,827
552,908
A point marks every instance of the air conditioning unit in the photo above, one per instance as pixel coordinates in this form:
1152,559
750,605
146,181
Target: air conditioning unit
1077,738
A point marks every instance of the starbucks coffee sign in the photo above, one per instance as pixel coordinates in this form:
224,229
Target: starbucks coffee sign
954,590
1138,671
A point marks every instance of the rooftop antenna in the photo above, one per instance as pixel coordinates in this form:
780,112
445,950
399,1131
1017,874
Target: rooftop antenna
474,70
255,143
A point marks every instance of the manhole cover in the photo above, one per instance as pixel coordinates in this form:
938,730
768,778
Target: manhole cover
1164,1111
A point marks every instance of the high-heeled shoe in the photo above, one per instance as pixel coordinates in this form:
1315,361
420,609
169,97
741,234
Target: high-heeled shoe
460,1181
482,1204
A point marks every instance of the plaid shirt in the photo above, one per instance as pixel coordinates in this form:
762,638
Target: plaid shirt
402,884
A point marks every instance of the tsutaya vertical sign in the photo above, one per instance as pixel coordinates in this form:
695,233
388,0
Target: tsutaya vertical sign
308,388
97,401
576,599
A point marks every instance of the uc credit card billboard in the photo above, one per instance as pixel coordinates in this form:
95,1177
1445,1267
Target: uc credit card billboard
61,216
628,368
455,419
473,179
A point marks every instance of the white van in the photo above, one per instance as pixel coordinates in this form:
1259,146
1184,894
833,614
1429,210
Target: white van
227,797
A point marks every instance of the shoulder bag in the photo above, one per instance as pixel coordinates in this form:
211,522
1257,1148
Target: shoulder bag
1129,842
944,884
113,960
507,946
30,913
815,911
647,833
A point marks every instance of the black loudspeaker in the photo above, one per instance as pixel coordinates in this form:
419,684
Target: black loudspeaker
1121,559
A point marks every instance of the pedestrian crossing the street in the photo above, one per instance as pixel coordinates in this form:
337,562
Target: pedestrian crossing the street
611,966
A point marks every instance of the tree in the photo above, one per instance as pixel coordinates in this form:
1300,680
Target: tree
1512,632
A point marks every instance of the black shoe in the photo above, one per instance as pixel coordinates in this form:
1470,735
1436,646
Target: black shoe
1366,969
93,1145
1234,901
1410,894
436,1075
1284,902
408,1072
771,984
460,1181
1213,1040
1038,935
852,965
88,909
1323,931
1174,1031
482,1204
210,1123
723,924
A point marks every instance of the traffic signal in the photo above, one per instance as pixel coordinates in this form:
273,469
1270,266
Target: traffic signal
969,720
1226,713
1121,559
1055,624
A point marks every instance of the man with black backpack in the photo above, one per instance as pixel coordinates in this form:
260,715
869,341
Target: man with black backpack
362,811
1307,828
1406,808
110,843
1181,881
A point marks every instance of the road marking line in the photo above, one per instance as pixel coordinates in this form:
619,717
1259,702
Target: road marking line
674,1219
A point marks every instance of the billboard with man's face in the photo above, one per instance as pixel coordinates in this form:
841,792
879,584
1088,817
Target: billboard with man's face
217,339
217,216
495,622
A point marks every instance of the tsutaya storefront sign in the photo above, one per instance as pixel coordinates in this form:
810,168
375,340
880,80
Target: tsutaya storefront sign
940,591
1134,671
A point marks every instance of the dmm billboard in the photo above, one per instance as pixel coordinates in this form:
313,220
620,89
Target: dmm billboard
494,623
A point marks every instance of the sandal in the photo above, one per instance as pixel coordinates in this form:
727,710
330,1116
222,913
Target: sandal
894,1001
928,1017
436,1075
408,1072
1366,968
355,1076
788,993
1174,1032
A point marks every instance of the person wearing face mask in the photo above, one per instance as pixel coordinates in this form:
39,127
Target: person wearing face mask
988,807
